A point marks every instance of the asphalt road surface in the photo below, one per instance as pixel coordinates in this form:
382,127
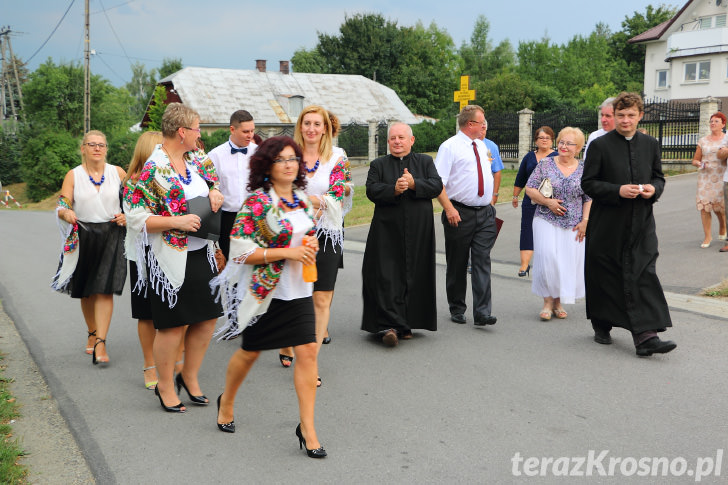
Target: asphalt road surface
460,405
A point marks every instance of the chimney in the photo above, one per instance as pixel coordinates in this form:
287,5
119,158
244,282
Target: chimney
260,65
284,67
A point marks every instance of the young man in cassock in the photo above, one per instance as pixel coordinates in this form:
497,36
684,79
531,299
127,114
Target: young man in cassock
623,175
398,271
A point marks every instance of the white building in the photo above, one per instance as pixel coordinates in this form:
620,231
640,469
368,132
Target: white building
687,56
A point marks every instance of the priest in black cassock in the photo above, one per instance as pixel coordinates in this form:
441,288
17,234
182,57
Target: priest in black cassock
623,176
398,271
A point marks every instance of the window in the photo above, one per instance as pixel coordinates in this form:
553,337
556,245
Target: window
662,79
720,20
697,71
712,22
705,22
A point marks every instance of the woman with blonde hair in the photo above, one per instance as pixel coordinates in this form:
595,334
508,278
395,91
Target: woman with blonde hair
558,253
141,309
325,167
178,265
92,265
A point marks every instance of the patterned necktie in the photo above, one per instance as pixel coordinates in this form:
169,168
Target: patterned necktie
481,190
234,150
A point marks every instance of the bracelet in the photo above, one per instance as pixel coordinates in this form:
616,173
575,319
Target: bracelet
515,197
584,218
265,259
495,194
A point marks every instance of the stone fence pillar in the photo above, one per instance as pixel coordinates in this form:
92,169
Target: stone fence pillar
708,106
525,129
373,139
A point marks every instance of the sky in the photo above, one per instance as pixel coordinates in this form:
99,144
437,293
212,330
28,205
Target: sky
234,33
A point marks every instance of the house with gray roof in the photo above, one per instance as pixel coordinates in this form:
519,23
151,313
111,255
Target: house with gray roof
275,99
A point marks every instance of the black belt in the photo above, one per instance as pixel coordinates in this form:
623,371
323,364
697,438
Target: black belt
473,207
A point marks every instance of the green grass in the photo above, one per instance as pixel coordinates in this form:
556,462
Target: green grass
363,209
10,470
718,291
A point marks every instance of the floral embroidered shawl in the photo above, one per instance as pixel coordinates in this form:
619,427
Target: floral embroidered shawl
247,290
69,255
330,216
159,192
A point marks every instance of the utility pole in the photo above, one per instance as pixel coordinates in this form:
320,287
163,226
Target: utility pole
17,78
87,77
10,90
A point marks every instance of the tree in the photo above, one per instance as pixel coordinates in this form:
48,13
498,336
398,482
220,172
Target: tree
480,59
10,155
156,109
141,87
53,98
308,61
633,55
169,66
419,63
47,156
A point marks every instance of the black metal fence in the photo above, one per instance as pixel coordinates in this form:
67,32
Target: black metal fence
675,125
503,131
585,120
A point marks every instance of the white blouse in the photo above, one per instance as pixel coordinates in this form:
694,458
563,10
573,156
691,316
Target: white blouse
92,205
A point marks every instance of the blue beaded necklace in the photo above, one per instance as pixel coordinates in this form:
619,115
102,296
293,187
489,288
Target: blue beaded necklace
315,167
296,201
103,177
188,180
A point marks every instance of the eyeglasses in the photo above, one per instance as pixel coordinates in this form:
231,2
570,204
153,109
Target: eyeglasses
286,160
544,138
566,144
193,129
96,145
479,123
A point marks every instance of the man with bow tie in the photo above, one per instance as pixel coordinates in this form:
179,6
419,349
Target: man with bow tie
231,160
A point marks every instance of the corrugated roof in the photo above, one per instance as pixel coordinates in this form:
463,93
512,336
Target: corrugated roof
271,97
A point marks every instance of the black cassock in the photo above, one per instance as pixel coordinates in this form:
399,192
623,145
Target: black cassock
398,271
622,287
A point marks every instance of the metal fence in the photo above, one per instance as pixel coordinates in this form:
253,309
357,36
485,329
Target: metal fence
675,125
503,130
584,119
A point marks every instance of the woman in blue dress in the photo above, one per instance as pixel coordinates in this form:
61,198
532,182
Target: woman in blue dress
544,137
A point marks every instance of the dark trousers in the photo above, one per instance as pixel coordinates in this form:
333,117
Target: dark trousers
226,225
475,234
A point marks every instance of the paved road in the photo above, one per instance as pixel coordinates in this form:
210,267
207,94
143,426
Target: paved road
453,406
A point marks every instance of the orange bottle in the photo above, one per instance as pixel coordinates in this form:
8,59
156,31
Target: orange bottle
310,273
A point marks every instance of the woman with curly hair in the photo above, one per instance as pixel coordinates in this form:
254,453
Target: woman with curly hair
267,298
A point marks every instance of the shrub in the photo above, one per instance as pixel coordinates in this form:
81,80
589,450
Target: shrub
47,157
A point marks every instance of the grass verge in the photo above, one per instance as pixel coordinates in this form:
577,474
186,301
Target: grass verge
11,472
718,291
363,209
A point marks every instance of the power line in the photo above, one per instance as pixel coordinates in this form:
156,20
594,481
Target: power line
112,8
108,66
111,26
51,34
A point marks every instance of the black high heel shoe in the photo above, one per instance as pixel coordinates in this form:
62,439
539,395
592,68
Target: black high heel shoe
286,360
201,400
525,272
317,453
170,409
226,427
94,360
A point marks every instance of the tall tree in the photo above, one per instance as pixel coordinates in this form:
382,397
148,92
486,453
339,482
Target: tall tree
419,63
480,58
141,87
633,55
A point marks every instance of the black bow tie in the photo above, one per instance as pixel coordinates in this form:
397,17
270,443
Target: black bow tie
234,150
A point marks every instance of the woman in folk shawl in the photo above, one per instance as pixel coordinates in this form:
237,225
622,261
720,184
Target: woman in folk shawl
92,264
179,266
266,297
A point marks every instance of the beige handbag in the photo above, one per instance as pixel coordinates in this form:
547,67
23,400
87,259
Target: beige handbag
546,189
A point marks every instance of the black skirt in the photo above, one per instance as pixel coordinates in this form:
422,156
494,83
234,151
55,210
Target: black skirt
101,267
328,261
287,323
195,302
141,307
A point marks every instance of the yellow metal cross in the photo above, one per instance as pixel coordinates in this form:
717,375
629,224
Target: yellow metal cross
465,94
